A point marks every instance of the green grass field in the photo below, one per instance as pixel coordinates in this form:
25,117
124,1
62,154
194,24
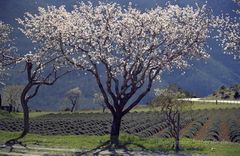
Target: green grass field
140,108
195,106
131,142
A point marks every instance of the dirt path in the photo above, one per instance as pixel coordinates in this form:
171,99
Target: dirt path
224,131
202,133
185,129
40,151
158,134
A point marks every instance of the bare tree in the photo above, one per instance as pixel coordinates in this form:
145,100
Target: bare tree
73,96
98,98
171,106
124,49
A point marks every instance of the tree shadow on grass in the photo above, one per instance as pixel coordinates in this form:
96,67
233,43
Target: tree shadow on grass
10,145
104,146
121,149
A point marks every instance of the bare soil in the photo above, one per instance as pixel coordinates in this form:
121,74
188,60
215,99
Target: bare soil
202,133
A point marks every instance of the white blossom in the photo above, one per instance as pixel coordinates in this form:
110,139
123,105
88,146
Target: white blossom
230,36
133,47
7,50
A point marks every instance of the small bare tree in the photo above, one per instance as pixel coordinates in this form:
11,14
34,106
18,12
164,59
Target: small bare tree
98,98
172,106
73,96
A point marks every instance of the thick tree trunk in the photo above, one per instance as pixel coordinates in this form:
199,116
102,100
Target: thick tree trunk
115,130
177,147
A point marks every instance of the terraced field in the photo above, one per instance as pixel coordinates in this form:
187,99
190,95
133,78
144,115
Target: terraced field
211,125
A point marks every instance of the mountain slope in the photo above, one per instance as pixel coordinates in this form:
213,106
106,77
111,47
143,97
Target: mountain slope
201,78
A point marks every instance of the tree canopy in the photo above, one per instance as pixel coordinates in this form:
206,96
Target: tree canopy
125,49
7,50
230,36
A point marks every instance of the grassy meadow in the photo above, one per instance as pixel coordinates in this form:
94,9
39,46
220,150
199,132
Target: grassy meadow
131,142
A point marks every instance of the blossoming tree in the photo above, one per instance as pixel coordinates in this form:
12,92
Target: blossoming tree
7,50
98,99
73,95
230,36
43,67
125,49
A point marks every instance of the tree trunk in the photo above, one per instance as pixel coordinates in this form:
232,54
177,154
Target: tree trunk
74,102
115,129
25,121
25,118
177,148
17,109
0,101
72,109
